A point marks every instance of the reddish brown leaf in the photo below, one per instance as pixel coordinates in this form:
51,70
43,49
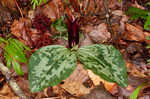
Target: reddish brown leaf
20,29
133,33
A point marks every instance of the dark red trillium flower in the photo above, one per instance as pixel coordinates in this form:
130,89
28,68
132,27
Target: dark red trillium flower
73,32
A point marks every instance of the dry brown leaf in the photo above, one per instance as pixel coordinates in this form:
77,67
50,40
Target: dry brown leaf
75,88
99,34
147,34
6,91
53,9
111,87
20,29
138,5
74,84
96,79
133,71
5,15
78,75
9,4
134,33
86,41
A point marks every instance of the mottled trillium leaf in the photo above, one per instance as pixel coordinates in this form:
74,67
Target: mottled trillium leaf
49,65
105,61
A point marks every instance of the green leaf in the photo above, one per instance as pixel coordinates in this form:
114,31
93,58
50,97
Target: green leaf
105,61
17,68
147,23
2,40
49,65
148,46
60,25
134,95
136,13
148,37
14,50
148,61
8,60
119,1
37,3
148,3
21,45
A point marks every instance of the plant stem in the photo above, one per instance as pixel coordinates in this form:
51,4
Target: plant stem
5,71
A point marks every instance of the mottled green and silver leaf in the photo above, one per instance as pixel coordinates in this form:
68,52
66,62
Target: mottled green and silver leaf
49,65
105,61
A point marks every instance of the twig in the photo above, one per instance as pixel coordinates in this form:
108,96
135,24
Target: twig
19,8
11,81
86,5
109,26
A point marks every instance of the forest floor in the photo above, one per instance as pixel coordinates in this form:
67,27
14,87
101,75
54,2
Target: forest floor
34,28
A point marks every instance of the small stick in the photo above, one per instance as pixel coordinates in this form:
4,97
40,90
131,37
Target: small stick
109,26
5,71
19,8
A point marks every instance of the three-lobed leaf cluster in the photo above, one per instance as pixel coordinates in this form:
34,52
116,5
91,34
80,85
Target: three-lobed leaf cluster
137,13
14,53
49,65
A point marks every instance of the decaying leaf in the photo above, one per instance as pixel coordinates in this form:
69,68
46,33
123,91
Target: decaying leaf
99,34
53,9
20,29
33,38
134,34
111,87
76,88
133,71
6,92
74,84
9,4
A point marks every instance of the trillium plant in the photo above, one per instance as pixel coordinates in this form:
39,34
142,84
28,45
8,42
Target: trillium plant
52,64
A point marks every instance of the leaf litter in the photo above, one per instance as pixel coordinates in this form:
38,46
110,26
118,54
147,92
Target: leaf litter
130,35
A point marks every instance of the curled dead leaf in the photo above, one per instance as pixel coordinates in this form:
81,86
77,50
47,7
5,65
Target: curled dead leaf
111,87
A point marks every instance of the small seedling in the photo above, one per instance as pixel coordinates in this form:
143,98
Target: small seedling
14,53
